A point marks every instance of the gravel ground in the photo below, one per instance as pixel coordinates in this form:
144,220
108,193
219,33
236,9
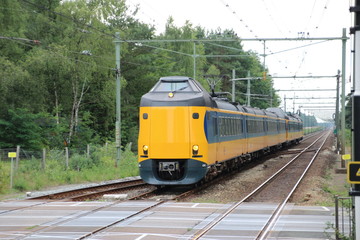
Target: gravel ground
316,189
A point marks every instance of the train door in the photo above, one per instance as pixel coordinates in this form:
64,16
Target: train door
246,133
212,134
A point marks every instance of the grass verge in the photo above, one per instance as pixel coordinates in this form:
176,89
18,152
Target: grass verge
99,166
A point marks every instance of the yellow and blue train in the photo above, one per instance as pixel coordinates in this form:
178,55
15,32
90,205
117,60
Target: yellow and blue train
187,135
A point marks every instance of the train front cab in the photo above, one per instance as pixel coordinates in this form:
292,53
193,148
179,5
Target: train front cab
172,148
172,145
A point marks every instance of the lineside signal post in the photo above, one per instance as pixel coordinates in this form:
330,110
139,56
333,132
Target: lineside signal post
12,155
354,172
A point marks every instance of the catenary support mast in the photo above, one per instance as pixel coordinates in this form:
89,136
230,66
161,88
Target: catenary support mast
118,101
355,190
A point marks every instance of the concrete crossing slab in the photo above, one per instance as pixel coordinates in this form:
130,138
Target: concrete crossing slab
171,220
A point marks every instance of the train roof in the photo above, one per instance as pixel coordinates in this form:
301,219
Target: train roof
188,92
175,79
176,91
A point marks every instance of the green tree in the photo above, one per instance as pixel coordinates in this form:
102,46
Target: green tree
67,82
18,88
12,24
19,127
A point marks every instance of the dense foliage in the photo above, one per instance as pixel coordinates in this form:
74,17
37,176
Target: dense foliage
57,76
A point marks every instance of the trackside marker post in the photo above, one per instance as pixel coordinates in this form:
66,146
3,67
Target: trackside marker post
12,155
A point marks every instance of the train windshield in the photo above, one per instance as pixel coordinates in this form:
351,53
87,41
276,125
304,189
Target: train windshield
172,86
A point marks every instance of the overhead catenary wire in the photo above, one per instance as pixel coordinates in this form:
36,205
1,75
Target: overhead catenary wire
36,43
272,18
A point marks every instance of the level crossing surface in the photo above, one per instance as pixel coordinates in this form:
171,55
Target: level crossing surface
172,220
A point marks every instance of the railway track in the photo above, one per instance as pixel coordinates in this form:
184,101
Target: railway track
276,180
96,192
160,196
130,189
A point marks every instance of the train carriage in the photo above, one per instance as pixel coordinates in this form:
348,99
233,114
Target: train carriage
186,135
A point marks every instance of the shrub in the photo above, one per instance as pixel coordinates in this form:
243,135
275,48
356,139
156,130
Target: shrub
79,162
3,182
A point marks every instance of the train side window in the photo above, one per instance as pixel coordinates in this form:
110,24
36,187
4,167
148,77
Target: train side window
221,126
241,127
196,116
251,127
234,131
228,127
145,116
265,125
215,126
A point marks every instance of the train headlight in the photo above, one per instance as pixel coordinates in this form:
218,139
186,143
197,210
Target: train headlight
145,149
195,149
171,95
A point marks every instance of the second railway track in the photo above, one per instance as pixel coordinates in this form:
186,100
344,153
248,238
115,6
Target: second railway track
265,191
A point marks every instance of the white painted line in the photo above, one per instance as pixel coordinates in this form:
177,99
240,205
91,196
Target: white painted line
141,237
195,205
326,209
76,204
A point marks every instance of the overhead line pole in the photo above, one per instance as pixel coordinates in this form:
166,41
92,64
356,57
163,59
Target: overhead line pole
233,40
337,117
322,109
194,56
118,100
343,143
304,76
313,98
312,107
233,86
317,103
248,79
304,90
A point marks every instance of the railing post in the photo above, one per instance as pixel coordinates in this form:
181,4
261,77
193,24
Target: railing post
17,157
43,162
88,150
67,157
337,217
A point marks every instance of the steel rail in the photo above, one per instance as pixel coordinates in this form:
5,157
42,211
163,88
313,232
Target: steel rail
70,218
119,221
186,193
98,189
98,194
208,227
55,196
